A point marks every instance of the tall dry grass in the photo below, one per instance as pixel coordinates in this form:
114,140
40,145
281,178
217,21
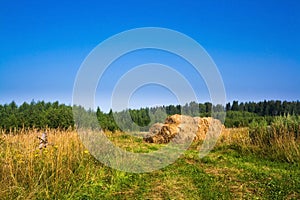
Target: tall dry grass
278,141
64,170
27,172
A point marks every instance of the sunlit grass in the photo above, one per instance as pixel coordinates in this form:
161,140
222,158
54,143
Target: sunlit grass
66,170
27,170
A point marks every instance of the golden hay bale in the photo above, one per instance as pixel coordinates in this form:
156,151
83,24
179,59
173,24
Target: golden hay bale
155,128
183,128
174,119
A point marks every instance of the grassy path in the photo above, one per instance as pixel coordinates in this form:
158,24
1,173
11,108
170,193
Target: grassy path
223,174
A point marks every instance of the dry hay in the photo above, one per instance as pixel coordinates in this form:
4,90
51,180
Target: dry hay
181,128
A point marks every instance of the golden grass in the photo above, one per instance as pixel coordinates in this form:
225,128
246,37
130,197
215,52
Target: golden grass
24,169
62,168
278,145
235,136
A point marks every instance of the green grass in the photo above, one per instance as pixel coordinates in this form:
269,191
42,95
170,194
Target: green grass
68,171
223,174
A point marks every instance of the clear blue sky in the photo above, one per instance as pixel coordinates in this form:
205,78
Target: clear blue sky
255,44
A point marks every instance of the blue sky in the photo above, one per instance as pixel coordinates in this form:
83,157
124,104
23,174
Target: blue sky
255,45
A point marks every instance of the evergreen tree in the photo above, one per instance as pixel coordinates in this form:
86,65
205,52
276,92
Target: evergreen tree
235,106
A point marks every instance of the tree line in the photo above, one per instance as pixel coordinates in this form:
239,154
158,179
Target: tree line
35,115
266,108
55,115
244,114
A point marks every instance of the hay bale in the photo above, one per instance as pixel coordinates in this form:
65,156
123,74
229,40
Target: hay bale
182,128
154,134
155,128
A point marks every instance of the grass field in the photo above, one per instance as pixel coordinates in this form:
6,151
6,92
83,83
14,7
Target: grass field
66,170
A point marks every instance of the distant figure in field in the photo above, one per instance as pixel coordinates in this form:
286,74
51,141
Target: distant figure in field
43,141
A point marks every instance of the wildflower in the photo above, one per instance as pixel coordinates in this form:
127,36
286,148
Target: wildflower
86,151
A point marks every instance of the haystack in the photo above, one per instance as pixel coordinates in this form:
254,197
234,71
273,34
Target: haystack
181,128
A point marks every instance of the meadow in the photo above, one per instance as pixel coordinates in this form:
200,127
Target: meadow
245,164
